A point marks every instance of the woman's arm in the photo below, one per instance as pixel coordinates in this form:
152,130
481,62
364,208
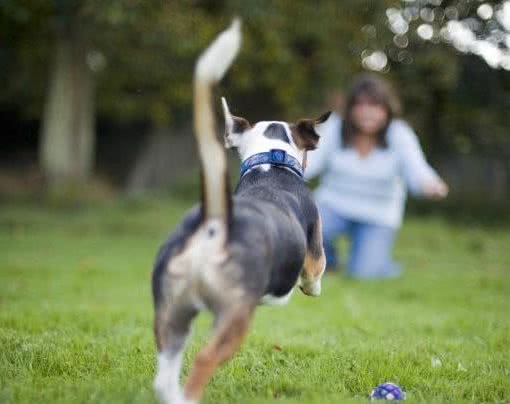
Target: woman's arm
419,176
329,133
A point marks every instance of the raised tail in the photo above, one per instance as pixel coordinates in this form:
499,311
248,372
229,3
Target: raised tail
210,68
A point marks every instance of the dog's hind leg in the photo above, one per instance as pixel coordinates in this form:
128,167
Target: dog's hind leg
230,329
171,328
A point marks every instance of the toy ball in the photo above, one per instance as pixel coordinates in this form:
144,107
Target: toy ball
387,391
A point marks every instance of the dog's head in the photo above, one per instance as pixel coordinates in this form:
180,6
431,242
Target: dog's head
295,138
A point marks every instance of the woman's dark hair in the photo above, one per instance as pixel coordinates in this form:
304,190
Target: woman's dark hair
378,91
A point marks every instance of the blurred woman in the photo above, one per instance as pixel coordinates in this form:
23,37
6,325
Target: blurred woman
367,160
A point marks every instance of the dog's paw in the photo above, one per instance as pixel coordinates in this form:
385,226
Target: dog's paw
167,393
311,288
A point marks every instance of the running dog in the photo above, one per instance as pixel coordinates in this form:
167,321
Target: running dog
233,252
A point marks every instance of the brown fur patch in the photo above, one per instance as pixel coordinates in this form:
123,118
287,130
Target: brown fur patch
226,341
313,266
315,259
240,124
304,134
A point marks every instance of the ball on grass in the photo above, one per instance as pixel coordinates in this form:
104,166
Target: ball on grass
388,391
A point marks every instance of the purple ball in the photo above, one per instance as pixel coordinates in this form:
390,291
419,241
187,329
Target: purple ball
387,391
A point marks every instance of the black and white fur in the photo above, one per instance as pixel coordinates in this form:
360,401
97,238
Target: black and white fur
233,252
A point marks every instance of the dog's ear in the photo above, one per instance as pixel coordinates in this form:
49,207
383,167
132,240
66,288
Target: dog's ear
234,126
304,133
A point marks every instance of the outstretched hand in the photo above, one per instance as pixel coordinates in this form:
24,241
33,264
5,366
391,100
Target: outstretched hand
435,189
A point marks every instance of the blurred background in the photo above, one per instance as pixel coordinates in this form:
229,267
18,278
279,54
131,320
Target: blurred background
96,94
98,163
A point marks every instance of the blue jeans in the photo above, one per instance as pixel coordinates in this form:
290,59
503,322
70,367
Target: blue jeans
371,245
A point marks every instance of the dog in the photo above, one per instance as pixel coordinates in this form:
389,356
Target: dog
233,252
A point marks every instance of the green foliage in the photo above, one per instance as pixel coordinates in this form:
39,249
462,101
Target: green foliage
294,53
76,317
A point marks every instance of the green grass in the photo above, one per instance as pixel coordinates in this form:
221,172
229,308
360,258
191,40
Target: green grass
76,316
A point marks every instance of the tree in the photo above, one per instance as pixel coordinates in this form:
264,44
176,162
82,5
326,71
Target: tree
67,129
133,62
67,31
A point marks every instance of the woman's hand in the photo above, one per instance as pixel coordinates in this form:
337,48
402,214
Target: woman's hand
435,189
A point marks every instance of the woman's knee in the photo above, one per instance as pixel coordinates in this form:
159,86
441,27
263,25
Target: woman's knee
371,252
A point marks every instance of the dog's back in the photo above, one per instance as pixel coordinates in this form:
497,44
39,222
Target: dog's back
272,213
279,206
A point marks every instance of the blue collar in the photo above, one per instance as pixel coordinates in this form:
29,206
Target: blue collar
275,157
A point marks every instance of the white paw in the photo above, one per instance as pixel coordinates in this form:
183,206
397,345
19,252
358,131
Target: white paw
310,288
168,394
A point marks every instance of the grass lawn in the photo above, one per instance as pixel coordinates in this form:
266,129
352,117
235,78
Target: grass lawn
76,316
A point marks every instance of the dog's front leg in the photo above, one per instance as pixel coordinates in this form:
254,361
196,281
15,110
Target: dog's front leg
310,278
314,263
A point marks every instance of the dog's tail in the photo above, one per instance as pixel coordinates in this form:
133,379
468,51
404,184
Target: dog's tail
210,68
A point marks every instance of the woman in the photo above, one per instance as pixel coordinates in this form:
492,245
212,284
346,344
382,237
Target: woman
367,160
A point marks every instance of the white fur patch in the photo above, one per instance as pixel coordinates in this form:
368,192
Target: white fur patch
166,382
229,120
311,287
253,141
276,301
217,58
197,265
205,248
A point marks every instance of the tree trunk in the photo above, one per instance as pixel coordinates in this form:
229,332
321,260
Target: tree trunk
67,133
165,159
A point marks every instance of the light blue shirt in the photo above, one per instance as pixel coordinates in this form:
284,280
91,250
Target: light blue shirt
372,188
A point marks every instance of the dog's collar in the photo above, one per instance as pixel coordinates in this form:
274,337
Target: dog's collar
275,157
